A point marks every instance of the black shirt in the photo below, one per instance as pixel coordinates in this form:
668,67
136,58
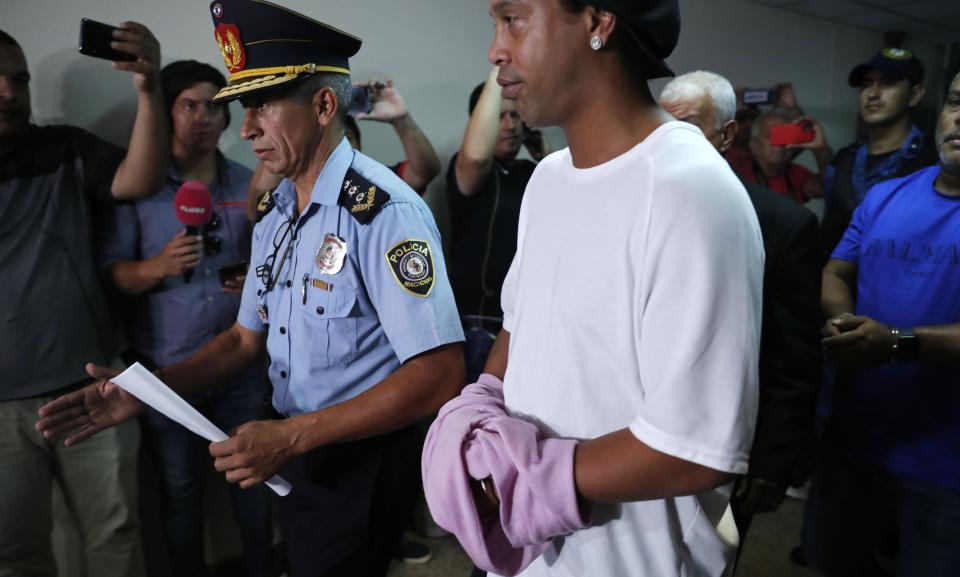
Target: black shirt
484,230
54,316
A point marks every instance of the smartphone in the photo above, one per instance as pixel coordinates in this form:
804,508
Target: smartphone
95,39
360,102
760,95
793,133
232,271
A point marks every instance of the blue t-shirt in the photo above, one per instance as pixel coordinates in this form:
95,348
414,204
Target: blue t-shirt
905,418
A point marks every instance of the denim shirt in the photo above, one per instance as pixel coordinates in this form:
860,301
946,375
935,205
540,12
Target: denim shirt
174,319
863,180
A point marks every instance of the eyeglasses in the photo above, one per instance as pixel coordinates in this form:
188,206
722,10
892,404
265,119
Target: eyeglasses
212,244
265,271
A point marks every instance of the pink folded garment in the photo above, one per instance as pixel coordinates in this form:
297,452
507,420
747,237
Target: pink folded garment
473,438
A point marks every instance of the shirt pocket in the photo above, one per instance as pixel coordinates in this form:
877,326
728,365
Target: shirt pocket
331,317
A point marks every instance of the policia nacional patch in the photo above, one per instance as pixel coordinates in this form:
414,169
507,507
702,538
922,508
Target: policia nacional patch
412,264
361,197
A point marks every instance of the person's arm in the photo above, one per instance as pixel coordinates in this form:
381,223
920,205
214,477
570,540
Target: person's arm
618,467
414,391
423,165
143,170
822,153
103,404
137,276
475,159
839,281
497,358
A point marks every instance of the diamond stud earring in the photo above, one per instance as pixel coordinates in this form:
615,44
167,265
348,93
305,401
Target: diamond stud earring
596,43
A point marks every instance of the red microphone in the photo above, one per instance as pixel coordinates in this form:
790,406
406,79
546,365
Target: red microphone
194,205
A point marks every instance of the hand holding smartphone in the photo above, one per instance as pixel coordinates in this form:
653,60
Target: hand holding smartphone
800,132
95,39
360,101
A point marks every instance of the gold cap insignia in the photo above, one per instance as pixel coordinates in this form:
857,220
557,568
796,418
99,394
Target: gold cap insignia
228,39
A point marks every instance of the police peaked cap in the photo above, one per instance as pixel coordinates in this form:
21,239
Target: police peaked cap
265,46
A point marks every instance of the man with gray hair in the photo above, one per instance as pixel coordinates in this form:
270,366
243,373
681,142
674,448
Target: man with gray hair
789,348
773,165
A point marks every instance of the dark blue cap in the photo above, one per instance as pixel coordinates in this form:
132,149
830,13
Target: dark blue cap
265,46
892,64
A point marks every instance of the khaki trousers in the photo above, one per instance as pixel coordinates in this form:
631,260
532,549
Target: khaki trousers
98,478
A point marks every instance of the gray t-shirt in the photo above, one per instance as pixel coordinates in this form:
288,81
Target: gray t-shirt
53,314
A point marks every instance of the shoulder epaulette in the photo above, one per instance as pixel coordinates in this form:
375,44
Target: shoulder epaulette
361,198
265,204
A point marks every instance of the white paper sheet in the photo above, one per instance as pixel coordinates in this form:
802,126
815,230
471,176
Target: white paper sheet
144,385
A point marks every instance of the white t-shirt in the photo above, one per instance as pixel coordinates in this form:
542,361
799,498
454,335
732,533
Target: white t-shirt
634,301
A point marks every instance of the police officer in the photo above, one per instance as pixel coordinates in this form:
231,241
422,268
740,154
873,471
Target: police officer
349,299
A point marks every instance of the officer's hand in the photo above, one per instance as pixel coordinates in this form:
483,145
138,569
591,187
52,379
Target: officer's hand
136,39
180,255
88,411
388,105
862,342
759,496
254,452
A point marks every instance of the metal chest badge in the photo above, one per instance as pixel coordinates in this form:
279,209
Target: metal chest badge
331,253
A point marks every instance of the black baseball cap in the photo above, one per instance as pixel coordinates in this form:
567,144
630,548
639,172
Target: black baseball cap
653,24
893,64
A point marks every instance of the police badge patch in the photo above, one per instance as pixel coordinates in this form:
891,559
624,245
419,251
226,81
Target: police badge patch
411,262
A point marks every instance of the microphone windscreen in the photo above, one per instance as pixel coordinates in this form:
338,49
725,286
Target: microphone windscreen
194,203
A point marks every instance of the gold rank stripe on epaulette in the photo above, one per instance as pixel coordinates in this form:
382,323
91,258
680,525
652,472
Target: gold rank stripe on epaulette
360,197
265,204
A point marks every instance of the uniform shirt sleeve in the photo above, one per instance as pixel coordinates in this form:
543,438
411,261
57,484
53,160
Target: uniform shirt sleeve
699,335
248,316
413,323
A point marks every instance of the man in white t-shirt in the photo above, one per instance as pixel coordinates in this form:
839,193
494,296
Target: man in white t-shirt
632,307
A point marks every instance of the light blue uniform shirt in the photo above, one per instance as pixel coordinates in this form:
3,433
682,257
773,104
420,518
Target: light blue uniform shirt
332,336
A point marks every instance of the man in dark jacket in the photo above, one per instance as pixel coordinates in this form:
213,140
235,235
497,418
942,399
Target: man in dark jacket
789,347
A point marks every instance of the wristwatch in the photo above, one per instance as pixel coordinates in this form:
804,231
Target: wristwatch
905,345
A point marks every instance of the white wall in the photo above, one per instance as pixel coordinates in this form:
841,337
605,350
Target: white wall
436,52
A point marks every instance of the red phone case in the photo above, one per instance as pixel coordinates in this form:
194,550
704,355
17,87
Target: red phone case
793,133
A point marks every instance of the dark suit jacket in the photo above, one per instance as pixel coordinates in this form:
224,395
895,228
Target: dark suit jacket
790,353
